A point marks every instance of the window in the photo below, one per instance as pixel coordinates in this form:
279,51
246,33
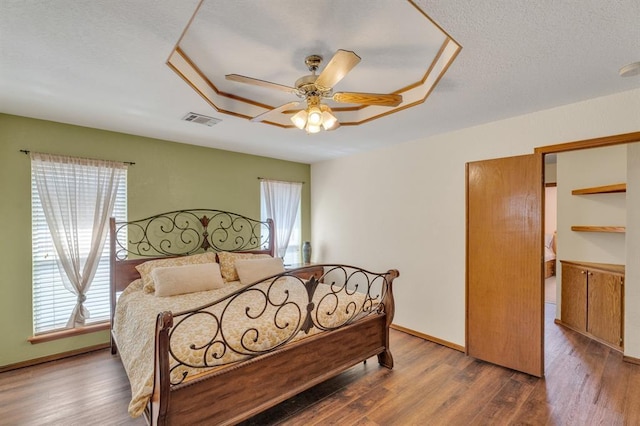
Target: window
281,201
53,303
293,253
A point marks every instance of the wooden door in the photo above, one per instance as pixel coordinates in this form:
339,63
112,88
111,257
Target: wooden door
505,297
574,297
605,306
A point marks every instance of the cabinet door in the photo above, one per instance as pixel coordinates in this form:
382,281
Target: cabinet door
574,297
605,306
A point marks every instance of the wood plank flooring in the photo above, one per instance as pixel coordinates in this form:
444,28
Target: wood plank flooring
586,383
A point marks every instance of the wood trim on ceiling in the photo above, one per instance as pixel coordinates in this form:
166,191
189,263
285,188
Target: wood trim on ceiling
188,62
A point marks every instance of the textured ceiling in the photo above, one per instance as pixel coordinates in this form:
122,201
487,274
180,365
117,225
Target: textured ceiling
102,64
409,60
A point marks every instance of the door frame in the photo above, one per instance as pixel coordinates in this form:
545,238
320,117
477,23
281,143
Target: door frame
589,143
599,142
619,139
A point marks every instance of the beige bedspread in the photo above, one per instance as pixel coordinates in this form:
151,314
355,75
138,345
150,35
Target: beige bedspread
136,312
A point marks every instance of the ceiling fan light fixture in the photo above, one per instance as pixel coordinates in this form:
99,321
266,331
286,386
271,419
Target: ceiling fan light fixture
315,116
312,128
313,89
300,119
328,120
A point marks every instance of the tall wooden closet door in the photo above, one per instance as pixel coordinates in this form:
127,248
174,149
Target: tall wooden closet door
505,297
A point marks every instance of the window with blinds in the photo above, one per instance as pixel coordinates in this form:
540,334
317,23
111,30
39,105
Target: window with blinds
52,302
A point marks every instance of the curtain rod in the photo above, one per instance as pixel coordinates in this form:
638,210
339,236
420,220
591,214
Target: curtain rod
278,180
131,163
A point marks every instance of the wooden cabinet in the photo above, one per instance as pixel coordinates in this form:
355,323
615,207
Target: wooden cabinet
574,297
592,300
309,270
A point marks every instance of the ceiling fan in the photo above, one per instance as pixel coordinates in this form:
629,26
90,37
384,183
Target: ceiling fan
313,88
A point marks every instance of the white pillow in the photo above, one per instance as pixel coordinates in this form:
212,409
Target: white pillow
145,268
228,260
173,280
252,270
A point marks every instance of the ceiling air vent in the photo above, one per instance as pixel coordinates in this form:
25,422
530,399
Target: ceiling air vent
201,119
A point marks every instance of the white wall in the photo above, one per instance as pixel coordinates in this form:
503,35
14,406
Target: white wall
632,271
404,206
584,169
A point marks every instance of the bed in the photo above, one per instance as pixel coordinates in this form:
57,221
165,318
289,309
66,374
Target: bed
550,254
211,328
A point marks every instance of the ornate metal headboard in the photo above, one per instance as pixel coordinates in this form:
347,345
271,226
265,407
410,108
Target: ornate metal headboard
184,232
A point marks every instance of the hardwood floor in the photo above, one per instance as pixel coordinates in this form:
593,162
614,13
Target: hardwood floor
586,383
550,289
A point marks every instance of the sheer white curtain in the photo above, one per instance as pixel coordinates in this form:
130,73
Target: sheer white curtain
281,203
77,197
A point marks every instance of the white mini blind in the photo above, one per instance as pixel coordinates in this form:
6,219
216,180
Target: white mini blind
52,302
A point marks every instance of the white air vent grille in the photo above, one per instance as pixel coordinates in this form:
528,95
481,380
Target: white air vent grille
201,119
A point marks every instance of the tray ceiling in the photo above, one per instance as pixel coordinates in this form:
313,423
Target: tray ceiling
102,63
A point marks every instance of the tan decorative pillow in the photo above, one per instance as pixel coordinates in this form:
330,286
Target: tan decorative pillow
228,263
252,270
146,267
173,280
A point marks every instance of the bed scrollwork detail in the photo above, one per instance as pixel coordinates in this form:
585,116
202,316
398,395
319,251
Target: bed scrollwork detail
191,356
268,314
184,232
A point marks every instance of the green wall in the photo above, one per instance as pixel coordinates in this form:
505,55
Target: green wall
166,176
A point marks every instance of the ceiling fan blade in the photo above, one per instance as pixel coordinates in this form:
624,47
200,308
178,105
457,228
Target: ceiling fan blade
266,115
368,98
261,83
341,63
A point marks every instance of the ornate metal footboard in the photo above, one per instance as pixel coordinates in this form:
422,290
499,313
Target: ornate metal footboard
294,334
267,315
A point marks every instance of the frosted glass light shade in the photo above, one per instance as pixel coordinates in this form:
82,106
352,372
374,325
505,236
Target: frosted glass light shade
328,120
313,128
315,116
300,119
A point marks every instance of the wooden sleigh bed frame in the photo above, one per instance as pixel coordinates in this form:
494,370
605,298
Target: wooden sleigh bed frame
233,392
